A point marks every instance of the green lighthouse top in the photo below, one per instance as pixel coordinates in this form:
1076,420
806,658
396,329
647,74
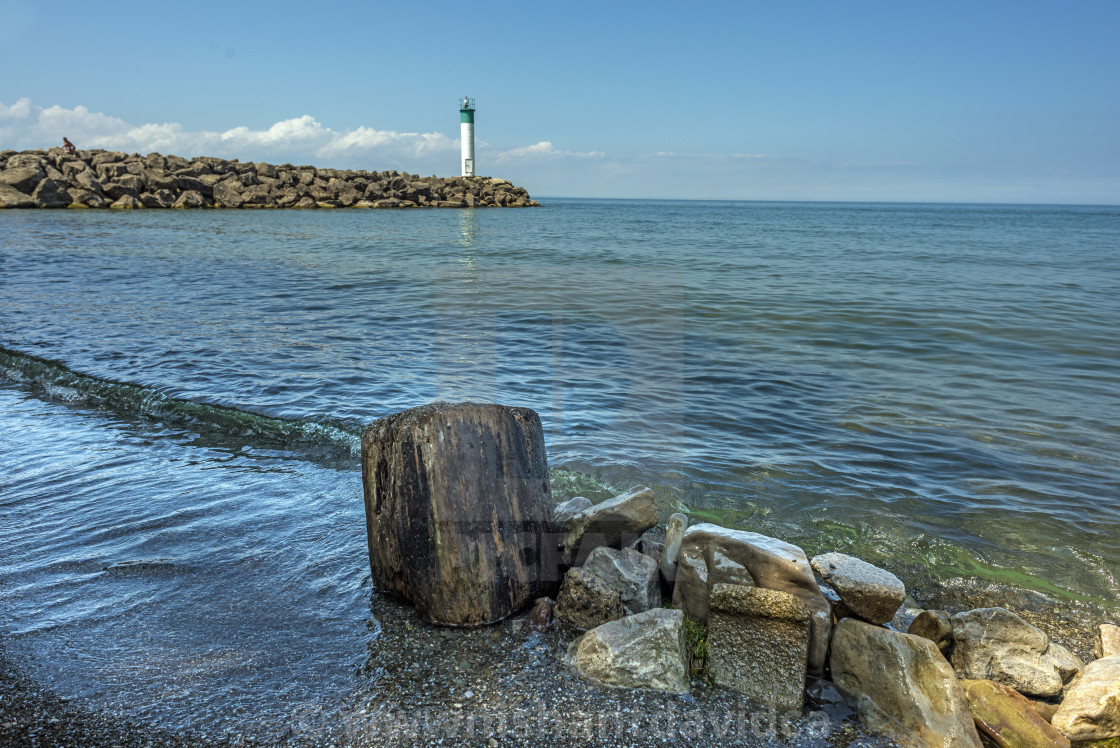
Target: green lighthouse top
466,110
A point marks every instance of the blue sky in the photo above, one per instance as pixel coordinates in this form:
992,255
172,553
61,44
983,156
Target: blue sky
972,102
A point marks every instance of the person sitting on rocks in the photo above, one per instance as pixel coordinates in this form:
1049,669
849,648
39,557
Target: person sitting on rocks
69,146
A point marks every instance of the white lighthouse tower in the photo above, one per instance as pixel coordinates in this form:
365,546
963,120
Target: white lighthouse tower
466,134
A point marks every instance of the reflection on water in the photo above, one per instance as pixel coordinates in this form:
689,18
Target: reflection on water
468,227
930,387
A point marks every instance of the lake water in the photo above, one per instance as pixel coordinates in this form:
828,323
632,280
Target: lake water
933,387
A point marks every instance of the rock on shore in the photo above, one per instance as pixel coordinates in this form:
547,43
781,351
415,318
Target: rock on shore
111,179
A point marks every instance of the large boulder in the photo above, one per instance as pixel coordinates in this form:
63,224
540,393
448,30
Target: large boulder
158,199
645,650
758,643
712,555
586,601
51,194
23,178
905,687
227,193
459,511
869,592
10,197
616,523
190,199
632,574
995,644
126,202
1107,643
1091,709
1008,718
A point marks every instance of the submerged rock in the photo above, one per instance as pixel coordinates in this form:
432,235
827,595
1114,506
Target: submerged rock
758,643
712,555
869,592
905,687
458,510
1091,709
615,523
586,601
1008,718
540,617
995,644
630,573
645,650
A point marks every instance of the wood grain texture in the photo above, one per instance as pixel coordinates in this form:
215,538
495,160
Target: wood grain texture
459,510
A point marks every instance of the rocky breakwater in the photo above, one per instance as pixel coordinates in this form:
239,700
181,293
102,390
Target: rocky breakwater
110,179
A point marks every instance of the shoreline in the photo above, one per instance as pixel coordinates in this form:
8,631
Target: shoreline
422,684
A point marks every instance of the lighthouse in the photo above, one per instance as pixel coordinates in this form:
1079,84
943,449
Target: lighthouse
466,134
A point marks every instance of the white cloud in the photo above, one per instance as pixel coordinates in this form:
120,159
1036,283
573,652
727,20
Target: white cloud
25,125
544,148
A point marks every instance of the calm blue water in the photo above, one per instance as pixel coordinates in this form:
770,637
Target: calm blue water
935,387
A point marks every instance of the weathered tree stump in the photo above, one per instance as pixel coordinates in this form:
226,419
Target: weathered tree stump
459,511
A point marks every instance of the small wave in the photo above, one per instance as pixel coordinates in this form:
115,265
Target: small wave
55,381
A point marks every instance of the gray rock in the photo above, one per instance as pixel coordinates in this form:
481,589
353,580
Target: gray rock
691,589
194,184
871,593
935,626
158,199
645,650
632,574
129,186
227,193
51,194
615,522
190,199
23,178
1107,643
86,180
458,510
905,687
758,643
651,548
89,199
564,511
10,197
709,551
1091,709
258,195
33,159
1065,662
157,179
995,644
126,202
674,534
586,601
